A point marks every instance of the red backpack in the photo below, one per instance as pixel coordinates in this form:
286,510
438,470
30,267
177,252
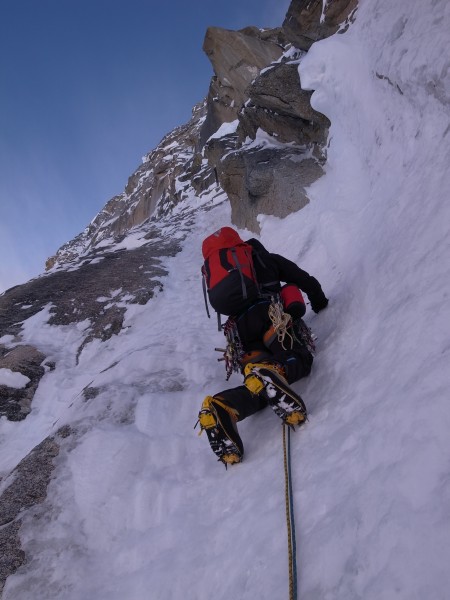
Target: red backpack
228,272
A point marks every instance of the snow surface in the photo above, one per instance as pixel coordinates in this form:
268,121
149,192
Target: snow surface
13,379
225,129
140,509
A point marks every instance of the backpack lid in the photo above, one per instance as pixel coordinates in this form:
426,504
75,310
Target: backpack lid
225,237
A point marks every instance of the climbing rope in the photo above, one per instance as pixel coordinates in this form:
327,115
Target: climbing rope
292,552
280,321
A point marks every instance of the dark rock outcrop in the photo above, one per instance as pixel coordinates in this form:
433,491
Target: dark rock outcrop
258,175
308,21
237,58
278,105
11,554
261,174
158,184
257,180
27,488
15,404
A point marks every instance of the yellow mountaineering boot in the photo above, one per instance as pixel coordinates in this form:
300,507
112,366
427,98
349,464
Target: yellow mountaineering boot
254,382
268,379
219,421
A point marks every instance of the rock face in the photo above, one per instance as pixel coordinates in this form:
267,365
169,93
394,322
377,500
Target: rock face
255,83
15,403
255,180
278,149
308,21
154,188
263,92
278,105
237,58
25,487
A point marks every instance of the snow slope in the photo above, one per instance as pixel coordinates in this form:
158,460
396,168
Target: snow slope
140,509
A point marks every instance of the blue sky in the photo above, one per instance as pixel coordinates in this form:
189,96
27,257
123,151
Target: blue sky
87,87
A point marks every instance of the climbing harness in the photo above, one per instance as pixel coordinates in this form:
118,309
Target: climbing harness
283,327
280,321
290,521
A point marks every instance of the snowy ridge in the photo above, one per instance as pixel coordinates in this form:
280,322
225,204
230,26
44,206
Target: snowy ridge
157,185
139,508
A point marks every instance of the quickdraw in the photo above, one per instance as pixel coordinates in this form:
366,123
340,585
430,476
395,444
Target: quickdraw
234,351
303,335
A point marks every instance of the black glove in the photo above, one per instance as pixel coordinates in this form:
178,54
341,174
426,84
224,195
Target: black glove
317,306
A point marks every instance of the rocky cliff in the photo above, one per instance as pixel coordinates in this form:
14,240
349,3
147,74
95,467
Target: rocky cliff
255,141
264,161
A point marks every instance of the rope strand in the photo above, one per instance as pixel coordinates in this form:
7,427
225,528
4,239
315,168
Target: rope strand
292,553
291,507
280,321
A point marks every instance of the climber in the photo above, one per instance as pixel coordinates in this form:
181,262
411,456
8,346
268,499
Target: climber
243,281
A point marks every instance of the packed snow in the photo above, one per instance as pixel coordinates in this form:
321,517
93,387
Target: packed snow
13,379
141,509
225,129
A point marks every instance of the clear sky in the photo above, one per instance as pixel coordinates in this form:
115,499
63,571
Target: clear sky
87,87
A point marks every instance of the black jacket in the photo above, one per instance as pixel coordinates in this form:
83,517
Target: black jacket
271,269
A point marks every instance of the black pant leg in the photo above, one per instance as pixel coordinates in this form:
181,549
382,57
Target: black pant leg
297,363
242,400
